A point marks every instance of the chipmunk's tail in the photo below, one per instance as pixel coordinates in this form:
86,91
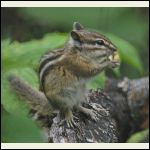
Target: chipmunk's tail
35,99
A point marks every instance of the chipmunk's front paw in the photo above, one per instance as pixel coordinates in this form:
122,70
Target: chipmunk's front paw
113,64
89,112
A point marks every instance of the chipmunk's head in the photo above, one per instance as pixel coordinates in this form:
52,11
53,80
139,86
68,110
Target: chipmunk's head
92,44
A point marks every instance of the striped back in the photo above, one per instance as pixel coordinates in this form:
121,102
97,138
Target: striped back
47,61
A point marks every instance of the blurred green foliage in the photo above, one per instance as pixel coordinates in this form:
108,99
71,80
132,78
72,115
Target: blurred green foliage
12,53
126,27
20,129
128,23
140,137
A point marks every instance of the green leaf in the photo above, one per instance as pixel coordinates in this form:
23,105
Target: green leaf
19,129
117,72
5,43
97,82
28,53
138,137
127,53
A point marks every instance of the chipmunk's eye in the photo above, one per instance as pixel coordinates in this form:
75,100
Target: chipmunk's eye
99,42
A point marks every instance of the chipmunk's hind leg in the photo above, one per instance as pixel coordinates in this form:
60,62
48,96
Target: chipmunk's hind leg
69,118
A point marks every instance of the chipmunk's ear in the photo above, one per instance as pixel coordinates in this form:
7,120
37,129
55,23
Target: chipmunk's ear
77,26
75,36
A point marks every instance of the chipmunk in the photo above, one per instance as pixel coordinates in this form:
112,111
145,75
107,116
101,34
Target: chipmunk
63,73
